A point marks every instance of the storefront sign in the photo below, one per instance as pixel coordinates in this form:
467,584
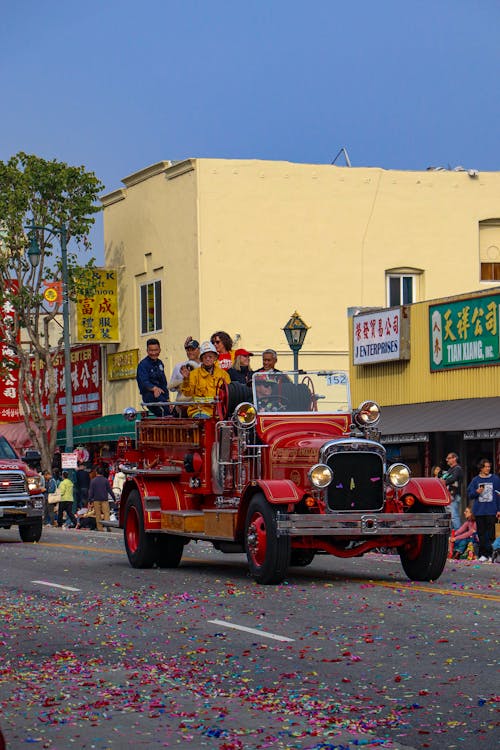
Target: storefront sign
481,434
381,336
69,461
123,365
408,437
85,382
464,333
97,315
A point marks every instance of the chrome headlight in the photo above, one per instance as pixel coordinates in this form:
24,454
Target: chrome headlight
320,476
245,415
368,413
399,475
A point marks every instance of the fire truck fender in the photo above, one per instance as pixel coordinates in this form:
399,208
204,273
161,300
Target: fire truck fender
427,490
276,492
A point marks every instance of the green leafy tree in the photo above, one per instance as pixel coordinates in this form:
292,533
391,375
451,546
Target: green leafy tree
38,197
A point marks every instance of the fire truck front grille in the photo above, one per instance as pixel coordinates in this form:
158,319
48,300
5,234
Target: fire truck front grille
358,482
12,484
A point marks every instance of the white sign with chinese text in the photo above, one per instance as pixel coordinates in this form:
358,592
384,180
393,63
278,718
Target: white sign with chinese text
381,336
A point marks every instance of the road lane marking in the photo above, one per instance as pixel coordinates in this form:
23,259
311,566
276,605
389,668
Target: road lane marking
431,590
84,549
253,631
56,585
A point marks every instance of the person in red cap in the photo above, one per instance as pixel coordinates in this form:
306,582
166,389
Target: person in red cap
240,372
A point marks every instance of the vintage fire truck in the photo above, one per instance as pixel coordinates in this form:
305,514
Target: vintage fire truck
21,495
283,471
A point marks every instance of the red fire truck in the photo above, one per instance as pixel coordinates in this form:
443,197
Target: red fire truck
283,471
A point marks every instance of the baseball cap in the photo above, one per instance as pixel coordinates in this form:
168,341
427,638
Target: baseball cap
243,353
193,344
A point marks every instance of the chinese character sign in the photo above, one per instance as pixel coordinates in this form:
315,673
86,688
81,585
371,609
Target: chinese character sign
97,315
9,379
380,336
464,333
123,365
85,381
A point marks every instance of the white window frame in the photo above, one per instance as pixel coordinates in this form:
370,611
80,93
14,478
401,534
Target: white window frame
403,276
151,322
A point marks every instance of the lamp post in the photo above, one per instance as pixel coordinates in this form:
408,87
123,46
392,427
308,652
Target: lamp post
34,258
295,332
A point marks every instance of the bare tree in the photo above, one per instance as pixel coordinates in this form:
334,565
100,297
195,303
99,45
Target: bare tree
38,198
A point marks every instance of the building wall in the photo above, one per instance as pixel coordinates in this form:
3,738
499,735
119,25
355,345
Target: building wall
241,244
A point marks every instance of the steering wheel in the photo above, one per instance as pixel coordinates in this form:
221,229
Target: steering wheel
309,383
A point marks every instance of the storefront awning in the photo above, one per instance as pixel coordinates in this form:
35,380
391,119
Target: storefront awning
441,416
103,429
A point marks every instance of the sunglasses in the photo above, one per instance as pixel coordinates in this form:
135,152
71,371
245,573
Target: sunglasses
217,341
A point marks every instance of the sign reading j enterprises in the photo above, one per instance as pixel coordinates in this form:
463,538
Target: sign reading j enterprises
381,336
464,333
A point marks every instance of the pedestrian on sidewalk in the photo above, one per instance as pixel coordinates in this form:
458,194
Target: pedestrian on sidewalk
453,478
66,489
100,494
484,490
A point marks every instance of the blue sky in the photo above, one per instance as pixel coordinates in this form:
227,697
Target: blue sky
117,85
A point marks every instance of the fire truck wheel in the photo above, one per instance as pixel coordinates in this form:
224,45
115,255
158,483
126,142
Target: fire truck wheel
169,549
141,547
300,558
268,554
31,533
424,556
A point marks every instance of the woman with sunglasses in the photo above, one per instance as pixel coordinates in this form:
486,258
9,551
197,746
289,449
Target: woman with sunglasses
224,346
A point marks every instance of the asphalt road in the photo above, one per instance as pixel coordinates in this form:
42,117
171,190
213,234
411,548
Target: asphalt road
94,654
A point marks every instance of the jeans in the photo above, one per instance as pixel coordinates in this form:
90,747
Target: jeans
455,512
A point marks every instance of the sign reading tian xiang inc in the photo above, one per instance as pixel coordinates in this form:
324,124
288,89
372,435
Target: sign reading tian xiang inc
465,333
381,336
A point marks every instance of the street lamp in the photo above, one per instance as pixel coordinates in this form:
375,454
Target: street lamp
33,253
295,332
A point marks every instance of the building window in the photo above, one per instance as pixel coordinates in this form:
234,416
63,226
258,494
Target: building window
489,250
151,319
401,289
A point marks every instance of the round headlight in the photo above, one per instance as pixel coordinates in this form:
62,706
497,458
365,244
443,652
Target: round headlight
399,475
320,476
245,414
130,413
368,413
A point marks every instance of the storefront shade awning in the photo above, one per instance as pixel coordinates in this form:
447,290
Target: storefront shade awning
441,416
101,430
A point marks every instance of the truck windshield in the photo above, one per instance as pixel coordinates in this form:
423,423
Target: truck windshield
6,450
298,392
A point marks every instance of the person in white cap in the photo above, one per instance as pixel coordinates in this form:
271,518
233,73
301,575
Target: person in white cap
202,382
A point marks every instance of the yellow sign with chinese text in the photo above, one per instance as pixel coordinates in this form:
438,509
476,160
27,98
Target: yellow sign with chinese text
123,365
97,314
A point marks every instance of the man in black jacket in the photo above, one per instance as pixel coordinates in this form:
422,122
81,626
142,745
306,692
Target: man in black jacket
100,494
152,380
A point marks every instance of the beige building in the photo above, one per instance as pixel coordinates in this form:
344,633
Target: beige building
208,244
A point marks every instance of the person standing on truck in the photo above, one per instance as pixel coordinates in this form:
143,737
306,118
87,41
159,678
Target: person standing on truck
269,359
100,494
202,382
223,344
192,349
152,380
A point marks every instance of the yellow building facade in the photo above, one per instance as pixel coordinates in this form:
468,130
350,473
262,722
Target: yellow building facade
238,245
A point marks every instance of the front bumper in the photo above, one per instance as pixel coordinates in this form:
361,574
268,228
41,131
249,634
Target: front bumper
21,510
362,524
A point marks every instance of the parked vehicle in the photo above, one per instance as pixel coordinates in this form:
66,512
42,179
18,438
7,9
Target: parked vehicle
21,495
283,471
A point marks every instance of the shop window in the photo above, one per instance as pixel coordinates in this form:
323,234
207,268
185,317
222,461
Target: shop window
489,250
151,310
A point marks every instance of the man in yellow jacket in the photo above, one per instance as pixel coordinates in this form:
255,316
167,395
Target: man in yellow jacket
202,382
